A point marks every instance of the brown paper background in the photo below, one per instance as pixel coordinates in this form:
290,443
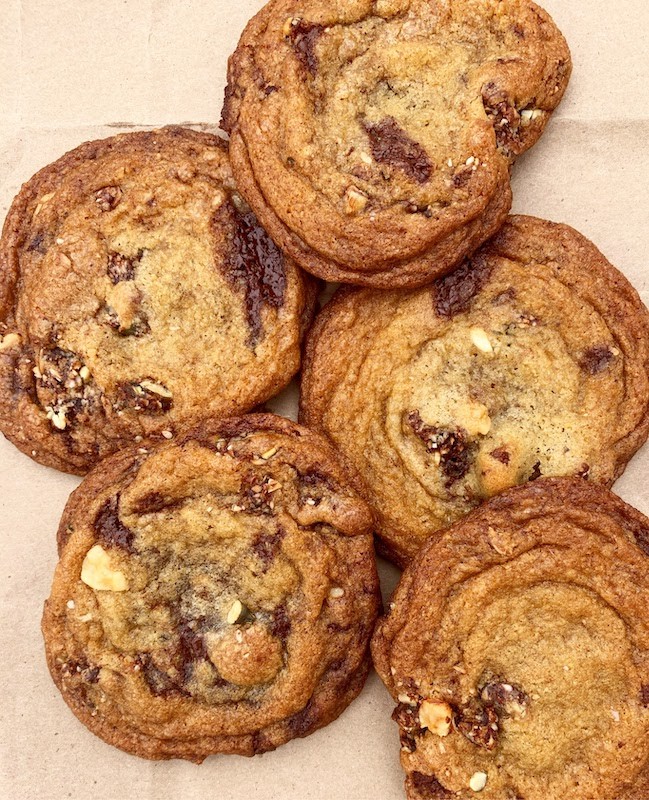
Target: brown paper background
72,70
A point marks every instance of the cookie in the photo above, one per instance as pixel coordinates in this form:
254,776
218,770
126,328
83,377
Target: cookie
214,595
531,359
138,293
517,647
374,138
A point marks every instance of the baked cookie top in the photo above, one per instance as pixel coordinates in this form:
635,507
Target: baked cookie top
531,359
517,647
214,595
373,138
138,293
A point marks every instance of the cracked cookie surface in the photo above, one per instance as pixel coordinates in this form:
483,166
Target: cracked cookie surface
374,139
531,359
138,293
214,595
517,648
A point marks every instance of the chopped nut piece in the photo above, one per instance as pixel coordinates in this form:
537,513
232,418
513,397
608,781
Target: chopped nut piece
436,716
156,388
57,418
366,158
10,340
84,373
167,434
269,453
235,612
474,418
355,201
70,604
478,781
97,573
481,340
528,115
336,591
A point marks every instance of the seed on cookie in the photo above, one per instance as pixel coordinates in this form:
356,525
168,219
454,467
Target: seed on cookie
478,781
481,340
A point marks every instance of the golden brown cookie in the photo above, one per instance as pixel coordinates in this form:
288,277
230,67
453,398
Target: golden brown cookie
531,359
374,138
214,595
517,647
138,293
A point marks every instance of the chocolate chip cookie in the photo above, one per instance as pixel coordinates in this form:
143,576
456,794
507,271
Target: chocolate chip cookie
517,648
214,595
531,359
374,138
138,293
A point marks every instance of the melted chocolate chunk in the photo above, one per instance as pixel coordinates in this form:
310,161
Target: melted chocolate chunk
478,724
425,787
38,244
644,695
536,472
108,198
452,445
596,359
267,546
137,398
505,698
304,38
391,145
280,623
255,265
160,684
501,454
407,718
120,267
454,292
109,528
82,670
191,646
257,494
301,724
154,502
504,116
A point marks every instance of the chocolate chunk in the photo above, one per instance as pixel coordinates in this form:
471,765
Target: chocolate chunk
452,445
80,669
191,646
461,177
391,145
109,528
501,454
267,546
454,292
280,623
304,38
154,502
108,198
254,264
425,787
506,698
536,472
135,397
596,359
301,724
504,116
159,682
120,267
478,724
257,494
644,695
407,717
